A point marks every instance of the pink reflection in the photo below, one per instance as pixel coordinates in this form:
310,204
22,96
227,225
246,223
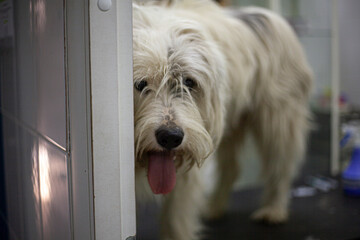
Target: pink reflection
44,171
35,174
41,181
38,10
49,178
41,174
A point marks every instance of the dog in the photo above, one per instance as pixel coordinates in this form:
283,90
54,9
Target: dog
203,79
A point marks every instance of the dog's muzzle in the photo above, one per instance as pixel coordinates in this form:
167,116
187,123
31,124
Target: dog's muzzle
169,137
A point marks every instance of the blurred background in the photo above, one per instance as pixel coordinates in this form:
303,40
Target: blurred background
330,38
36,161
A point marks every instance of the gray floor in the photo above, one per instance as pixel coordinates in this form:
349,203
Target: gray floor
324,216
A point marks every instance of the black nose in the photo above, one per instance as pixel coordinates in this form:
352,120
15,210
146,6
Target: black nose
169,137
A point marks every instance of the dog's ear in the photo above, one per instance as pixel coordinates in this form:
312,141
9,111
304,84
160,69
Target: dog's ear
216,103
208,66
213,82
216,89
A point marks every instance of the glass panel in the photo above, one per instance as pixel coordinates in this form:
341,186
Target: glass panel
54,192
36,186
23,211
34,203
40,81
8,92
48,29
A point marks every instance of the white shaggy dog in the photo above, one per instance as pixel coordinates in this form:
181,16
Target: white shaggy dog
202,80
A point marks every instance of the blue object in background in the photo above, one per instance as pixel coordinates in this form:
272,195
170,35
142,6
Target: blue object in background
351,175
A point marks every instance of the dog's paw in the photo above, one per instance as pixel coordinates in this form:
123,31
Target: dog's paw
270,215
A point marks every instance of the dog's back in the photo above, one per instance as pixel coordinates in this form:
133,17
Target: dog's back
260,47
269,81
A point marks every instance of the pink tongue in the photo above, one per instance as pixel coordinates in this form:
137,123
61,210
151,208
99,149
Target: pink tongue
161,172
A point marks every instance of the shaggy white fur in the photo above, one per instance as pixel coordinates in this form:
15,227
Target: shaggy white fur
208,78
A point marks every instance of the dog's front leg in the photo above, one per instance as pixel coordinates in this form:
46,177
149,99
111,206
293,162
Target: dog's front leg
180,218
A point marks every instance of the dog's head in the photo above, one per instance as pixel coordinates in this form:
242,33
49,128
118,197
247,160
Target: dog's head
178,80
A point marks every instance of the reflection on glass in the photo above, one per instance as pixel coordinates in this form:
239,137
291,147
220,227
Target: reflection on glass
50,188
41,174
39,12
35,173
44,172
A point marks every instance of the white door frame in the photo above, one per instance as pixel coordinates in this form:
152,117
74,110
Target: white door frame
112,120
77,68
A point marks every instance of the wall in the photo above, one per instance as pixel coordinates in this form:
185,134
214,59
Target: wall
349,31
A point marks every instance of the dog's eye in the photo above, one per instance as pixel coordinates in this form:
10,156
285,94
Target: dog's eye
189,83
140,85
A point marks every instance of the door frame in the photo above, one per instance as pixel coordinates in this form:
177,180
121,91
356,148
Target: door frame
78,118
112,119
